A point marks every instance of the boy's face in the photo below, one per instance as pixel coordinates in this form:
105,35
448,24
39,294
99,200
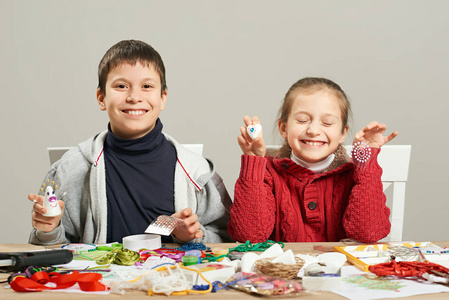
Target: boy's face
314,127
133,99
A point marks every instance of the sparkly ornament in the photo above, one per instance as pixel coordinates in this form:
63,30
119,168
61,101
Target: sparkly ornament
361,152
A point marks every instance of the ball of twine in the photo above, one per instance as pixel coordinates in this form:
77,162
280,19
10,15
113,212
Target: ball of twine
267,267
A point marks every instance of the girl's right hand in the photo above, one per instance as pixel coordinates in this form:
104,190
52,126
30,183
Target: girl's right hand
40,222
249,146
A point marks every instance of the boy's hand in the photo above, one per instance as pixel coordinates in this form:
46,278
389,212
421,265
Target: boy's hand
247,144
40,222
191,229
373,135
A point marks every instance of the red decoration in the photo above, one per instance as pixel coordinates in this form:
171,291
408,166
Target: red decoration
88,282
407,269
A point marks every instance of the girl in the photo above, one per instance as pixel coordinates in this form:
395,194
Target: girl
311,192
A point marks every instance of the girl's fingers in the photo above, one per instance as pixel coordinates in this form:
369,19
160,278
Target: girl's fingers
360,134
391,136
371,125
247,120
243,132
246,136
242,142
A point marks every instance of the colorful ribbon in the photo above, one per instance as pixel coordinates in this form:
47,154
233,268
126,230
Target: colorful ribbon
88,282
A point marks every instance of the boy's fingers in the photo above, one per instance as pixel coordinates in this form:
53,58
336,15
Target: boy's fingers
183,213
194,228
187,212
39,209
36,198
191,220
177,215
199,234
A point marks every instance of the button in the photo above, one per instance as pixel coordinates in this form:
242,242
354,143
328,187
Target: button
285,166
312,205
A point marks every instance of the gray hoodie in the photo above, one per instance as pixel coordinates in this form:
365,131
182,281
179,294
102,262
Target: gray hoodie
80,173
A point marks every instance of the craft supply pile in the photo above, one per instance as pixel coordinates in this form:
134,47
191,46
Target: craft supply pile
194,268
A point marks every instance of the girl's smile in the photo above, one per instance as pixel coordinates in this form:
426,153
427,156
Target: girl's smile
313,143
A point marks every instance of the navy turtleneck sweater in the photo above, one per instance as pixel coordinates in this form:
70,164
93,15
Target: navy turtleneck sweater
139,182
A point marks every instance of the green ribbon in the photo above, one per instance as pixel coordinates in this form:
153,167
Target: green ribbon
247,246
119,256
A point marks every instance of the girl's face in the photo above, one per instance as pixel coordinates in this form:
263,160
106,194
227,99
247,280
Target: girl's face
314,126
133,100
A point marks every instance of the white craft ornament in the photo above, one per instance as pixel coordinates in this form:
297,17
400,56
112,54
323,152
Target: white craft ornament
51,203
248,261
338,259
333,261
308,259
287,258
274,251
254,130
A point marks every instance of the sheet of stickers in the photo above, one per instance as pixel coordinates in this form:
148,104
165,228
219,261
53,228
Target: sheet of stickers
363,256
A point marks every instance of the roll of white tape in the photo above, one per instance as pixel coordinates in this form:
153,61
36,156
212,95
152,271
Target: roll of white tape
142,241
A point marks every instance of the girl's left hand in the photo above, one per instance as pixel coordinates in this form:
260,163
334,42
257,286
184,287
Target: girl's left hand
373,135
191,229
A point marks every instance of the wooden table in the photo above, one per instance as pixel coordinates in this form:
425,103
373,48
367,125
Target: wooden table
304,248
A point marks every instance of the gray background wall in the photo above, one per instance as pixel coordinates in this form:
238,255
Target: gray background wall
226,59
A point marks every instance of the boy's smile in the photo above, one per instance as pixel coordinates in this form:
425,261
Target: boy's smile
137,113
132,99
314,126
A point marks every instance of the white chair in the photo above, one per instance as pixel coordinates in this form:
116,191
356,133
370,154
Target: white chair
395,161
55,153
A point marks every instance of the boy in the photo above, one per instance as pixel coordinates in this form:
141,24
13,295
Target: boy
119,181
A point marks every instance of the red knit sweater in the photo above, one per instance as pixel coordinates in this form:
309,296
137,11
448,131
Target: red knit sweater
279,200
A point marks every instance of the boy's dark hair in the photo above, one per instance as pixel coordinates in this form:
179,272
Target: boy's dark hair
130,51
